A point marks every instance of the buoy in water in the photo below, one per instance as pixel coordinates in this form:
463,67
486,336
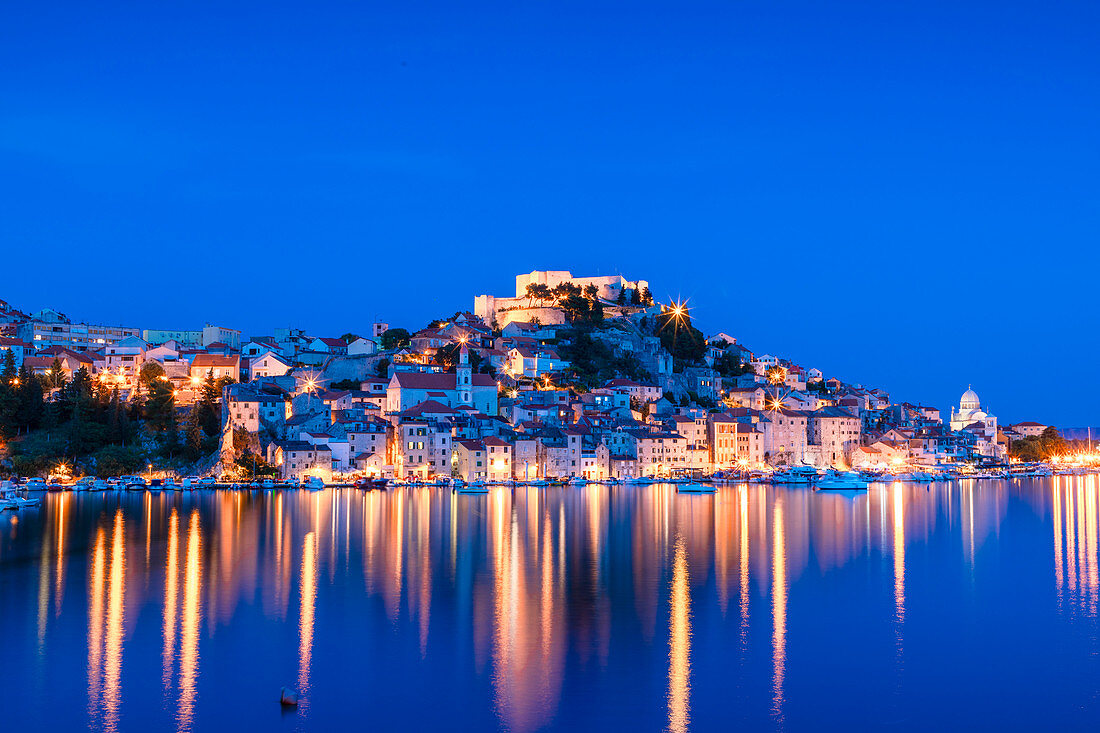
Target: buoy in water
288,698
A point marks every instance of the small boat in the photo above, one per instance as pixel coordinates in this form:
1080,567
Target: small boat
133,483
793,476
842,481
474,487
10,500
696,488
313,483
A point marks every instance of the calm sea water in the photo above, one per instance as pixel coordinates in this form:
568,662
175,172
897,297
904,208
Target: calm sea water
908,607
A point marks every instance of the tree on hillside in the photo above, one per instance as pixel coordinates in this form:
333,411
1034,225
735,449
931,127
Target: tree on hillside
9,403
682,340
194,442
395,338
539,292
8,372
447,357
729,365
29,400
55,377
209,406
160,409
151,371
347,338
1052,441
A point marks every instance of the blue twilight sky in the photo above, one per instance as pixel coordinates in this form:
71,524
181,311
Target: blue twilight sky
901,194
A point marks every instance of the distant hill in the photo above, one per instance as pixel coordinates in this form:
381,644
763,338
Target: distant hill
1080,433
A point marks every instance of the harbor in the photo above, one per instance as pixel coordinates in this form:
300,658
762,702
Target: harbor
533,607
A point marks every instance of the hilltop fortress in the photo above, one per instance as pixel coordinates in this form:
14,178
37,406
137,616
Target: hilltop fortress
504,310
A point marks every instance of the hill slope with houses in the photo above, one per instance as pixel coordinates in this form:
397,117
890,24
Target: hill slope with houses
570,376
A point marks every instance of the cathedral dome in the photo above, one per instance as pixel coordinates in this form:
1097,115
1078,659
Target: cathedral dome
969,400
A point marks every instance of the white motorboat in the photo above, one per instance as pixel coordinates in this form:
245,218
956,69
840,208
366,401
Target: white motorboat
795,475
10,500
474,487
134,483
842,481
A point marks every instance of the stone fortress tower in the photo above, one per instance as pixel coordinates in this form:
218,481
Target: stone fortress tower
504,310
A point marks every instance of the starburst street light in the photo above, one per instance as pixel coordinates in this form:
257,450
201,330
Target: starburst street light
677,312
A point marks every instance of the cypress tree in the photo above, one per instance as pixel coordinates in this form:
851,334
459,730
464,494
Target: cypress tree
56,376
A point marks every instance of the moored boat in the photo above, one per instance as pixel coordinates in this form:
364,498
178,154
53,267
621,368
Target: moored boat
694,487
841,481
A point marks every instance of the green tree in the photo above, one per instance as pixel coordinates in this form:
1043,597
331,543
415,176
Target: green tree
8,372
193,437
160,408
209,406
117,460
9,402
681,339
29,399
646,297
395,338
729,365
55,377
151,372
347,338
539,292
447,357
1052,442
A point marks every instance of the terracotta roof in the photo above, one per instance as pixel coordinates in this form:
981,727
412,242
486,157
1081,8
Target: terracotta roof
215,360
430,407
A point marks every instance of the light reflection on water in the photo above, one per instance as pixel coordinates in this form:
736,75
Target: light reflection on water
571,607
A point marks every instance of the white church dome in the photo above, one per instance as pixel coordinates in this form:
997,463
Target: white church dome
969,400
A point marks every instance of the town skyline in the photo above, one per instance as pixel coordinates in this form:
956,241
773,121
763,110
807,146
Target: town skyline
909,393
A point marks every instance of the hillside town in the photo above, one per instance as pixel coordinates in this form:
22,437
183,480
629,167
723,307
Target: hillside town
569,377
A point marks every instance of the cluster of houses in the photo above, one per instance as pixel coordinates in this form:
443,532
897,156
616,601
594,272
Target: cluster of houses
504,404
